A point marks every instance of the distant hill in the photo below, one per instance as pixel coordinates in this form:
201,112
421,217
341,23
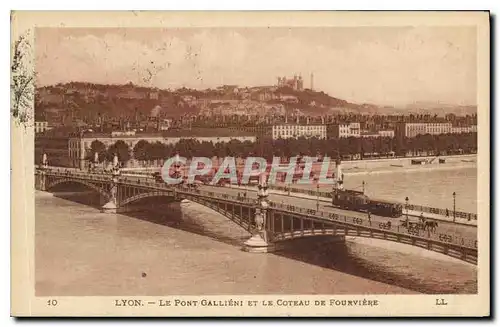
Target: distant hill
318,102
440,108
78,100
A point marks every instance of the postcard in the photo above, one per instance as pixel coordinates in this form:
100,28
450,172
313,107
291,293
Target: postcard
280,164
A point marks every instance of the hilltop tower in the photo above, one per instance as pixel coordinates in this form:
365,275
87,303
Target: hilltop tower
300,83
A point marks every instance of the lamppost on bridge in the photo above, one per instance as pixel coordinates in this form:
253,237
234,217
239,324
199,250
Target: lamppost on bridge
454,205
96,160
259,242
42,177
45,162
317,197
111,206
406,205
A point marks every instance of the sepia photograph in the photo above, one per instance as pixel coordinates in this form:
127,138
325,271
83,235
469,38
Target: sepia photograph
212,165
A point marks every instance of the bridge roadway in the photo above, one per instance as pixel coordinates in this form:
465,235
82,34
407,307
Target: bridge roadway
456,231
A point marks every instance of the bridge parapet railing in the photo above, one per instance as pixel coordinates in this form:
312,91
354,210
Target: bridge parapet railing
415,207
223,196
186,190
389,226
442,212
70,173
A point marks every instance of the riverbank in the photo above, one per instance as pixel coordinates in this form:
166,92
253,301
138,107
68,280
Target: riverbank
467,160
380,166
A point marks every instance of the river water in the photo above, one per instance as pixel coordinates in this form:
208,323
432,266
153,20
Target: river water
186,249
428,187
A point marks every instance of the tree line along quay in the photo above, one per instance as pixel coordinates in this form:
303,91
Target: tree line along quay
148,153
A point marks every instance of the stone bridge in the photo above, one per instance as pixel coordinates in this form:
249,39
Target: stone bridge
270,223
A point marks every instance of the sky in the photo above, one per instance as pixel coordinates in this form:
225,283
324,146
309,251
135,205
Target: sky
379,65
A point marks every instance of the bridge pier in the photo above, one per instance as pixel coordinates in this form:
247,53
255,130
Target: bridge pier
258,244
112,205
42,180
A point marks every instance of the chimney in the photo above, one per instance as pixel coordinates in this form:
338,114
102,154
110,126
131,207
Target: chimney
312,82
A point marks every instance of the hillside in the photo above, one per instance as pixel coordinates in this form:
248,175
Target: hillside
441,108
87,101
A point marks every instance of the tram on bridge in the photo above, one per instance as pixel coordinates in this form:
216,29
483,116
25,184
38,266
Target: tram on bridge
358,201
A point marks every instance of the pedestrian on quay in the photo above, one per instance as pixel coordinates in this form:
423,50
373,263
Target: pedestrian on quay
369,218
447,213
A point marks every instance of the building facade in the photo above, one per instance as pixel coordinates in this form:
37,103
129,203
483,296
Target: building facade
79,148
386,133
382,133
344,130
41,126
287,131
295,83
464,129
414,129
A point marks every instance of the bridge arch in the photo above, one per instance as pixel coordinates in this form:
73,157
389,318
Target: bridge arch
92,186
140,196
180,196
237,219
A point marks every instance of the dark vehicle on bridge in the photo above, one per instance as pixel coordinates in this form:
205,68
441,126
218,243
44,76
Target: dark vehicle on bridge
387,209
350,200
358,201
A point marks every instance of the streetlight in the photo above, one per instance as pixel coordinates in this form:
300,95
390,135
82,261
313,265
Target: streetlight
454,201
406,199
317,197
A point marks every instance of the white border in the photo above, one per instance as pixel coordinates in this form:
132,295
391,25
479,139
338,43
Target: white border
184,5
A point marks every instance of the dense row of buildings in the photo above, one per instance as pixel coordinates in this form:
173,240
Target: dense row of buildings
414,129
73,150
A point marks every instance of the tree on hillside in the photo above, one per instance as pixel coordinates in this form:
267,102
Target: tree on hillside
121,149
